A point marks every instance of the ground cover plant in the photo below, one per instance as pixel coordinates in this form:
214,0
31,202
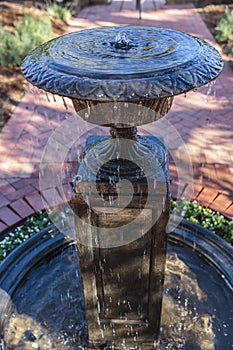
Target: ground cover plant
19,34
213,221
191,211
28,33
224,32
21,233
57,11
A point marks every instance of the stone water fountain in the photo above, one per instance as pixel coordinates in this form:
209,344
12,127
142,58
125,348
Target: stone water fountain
120,77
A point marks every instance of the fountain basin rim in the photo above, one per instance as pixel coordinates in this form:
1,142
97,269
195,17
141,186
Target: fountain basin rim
213,248
43,245
187,226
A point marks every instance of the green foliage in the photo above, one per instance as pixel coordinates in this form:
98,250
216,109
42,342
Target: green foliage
192,211
28,34
206,217
21,233
228,49
58,12
224,28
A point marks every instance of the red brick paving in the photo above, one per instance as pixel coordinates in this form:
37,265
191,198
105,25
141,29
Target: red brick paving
35,201
8,216
3,227
228,212
207,196
203,124
22,208
193,191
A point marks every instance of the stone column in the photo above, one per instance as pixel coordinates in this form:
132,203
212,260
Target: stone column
122,275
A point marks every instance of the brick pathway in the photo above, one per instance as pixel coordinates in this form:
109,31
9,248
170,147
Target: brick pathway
200,125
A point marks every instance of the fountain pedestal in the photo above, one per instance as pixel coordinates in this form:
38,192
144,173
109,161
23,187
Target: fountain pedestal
121,238
122,263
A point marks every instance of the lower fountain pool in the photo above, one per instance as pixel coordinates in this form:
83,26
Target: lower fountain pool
46,308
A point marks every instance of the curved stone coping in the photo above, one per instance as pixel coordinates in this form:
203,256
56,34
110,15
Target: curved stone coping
18,263
50,242
211,247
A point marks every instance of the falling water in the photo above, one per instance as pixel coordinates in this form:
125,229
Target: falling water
211,91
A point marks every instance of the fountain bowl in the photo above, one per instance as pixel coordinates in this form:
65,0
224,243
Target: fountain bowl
144,65
42,302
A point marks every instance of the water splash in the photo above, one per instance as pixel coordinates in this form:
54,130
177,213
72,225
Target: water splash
64,103
211,91
122,42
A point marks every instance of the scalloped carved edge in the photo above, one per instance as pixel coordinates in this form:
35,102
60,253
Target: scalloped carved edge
181,79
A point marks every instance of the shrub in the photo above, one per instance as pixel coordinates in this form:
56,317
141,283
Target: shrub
21,233
28,34
58,12
206,217
224,28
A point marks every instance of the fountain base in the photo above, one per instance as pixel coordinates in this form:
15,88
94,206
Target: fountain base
121,205
45,308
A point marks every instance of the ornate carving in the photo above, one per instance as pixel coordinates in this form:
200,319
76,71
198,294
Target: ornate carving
161,63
